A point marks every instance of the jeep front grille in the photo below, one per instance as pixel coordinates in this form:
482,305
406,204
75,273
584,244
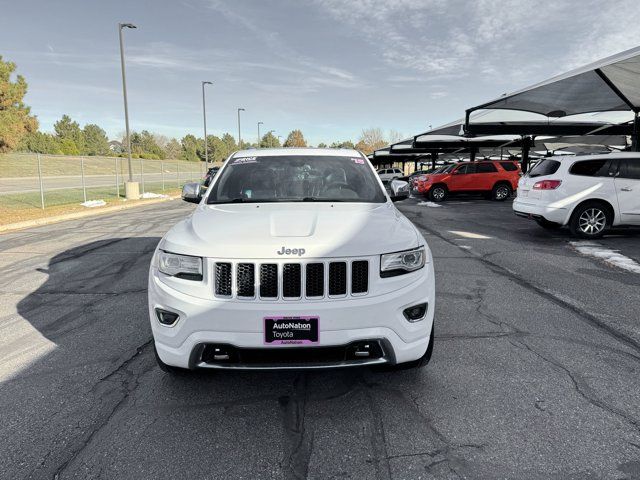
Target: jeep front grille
223,279
337,278
269,280
360,276
245,280
291,281
315,280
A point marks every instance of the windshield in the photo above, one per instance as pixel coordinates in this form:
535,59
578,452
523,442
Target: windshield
296,178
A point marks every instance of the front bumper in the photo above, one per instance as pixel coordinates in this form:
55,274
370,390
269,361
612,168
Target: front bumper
239,323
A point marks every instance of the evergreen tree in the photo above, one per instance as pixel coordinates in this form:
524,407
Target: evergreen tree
269,141
15,118
190,148
69,132
95,140
38,142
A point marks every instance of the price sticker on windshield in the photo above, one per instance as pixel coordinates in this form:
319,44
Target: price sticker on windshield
359,161
244,160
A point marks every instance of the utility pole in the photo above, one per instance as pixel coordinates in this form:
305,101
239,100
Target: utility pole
239,134
204,118
132,190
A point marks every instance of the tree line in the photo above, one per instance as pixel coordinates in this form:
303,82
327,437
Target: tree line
19,132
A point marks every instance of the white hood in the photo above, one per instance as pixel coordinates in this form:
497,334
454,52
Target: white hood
239,231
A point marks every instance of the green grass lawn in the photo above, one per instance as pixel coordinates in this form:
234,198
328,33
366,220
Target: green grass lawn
26,206
26,165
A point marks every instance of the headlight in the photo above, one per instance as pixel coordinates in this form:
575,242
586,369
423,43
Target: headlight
399,263
181,266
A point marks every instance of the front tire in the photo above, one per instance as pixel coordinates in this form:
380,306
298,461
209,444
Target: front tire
590,220
438,193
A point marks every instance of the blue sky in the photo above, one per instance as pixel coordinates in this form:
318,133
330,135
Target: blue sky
328,67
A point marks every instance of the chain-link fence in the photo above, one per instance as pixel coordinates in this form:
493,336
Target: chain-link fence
38,181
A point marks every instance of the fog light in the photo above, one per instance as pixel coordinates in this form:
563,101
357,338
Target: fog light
165,317
415,313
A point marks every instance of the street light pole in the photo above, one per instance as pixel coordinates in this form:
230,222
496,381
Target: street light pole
239,135
131,187
204,118
259,123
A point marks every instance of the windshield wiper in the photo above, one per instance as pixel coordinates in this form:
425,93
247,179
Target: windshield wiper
316,199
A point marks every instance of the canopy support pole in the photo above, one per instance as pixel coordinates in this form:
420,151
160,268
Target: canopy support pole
526,145
434,158
472,154
467,117
635,138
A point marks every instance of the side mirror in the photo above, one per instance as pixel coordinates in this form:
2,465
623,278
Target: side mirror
456,172
191,192
399,190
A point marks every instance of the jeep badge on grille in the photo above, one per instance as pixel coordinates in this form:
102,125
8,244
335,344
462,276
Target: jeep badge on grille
291,251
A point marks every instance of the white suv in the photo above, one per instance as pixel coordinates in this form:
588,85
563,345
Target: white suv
389,174
294,258
588,193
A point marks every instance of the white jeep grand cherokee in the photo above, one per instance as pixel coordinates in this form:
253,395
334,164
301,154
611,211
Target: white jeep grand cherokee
294,258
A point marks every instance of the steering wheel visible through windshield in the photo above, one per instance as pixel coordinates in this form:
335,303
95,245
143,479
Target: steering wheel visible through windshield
296,178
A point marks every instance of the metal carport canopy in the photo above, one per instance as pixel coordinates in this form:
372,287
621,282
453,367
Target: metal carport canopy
611,84
608,85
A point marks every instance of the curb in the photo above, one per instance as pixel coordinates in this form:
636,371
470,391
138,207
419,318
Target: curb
72,216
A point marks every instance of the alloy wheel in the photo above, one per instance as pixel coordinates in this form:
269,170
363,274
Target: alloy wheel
502,193
592,221
438,193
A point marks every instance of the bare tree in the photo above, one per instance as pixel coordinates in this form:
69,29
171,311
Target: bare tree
371,139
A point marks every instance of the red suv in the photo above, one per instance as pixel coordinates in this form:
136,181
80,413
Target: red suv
497,180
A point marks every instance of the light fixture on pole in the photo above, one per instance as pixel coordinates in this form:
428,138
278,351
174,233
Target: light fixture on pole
204,118
239,135
132,190
259,123
270,133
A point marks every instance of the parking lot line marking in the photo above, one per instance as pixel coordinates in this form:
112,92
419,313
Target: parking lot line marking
470,235
612,257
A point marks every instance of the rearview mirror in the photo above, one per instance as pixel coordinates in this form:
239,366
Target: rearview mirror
191,192
399,190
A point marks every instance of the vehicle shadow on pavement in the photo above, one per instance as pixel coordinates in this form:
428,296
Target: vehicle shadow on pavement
95,404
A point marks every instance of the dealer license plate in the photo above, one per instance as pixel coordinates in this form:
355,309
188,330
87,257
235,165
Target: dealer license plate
291,330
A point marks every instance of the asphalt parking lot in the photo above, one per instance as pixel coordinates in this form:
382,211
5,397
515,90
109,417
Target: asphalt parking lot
535,374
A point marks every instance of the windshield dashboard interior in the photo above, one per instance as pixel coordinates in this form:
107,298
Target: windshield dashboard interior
296,178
